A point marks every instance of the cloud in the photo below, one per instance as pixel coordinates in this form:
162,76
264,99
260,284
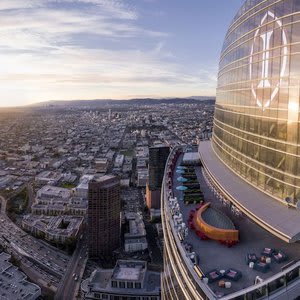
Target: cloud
17,4
116,8
51,49
39,26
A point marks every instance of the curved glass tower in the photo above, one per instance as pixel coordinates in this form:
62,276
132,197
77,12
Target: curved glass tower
256,126
252,161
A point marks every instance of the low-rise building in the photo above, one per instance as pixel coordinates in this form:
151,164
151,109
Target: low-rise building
135,239
101,164
50,193
58,229
129,280
141,162
5,181
125,182
48,177
82,188
142,151
155,214
119,161
51,200
143,177
135,245
127,166
13,283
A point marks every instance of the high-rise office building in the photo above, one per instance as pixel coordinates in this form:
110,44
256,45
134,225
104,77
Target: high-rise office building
157,160
104,207
158,156
109,114
250,170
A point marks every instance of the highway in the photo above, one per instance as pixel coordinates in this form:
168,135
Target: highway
43,263
46,262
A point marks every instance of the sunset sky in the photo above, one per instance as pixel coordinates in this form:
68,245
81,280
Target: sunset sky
120,49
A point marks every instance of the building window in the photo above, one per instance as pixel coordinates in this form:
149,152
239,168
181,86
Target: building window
121,284
137,285
114,284
130,285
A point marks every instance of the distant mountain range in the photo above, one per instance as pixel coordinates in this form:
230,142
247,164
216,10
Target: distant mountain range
111,102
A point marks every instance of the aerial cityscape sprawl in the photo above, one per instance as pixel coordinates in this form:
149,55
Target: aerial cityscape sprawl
52,161
193,198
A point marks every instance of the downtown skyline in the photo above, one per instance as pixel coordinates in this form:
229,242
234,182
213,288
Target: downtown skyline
92,49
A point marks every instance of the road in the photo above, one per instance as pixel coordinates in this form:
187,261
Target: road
68,285
30,192
3,204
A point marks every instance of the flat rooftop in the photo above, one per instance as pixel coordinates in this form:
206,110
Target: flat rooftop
128,273
84,182
257,203
129,270
54,191
107,180
125,271
253,239
13,283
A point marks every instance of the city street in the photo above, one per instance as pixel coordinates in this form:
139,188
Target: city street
73,275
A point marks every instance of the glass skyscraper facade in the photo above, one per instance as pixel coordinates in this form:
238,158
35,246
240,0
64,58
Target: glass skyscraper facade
257,136
256,125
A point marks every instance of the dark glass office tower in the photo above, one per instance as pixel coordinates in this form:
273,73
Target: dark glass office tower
104,207
157,160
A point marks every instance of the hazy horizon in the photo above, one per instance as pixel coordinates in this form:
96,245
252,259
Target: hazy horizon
106,99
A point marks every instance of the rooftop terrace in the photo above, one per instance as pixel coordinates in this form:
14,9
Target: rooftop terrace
255,203
252,239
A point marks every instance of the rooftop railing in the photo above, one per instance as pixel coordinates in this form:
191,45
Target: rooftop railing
284,280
